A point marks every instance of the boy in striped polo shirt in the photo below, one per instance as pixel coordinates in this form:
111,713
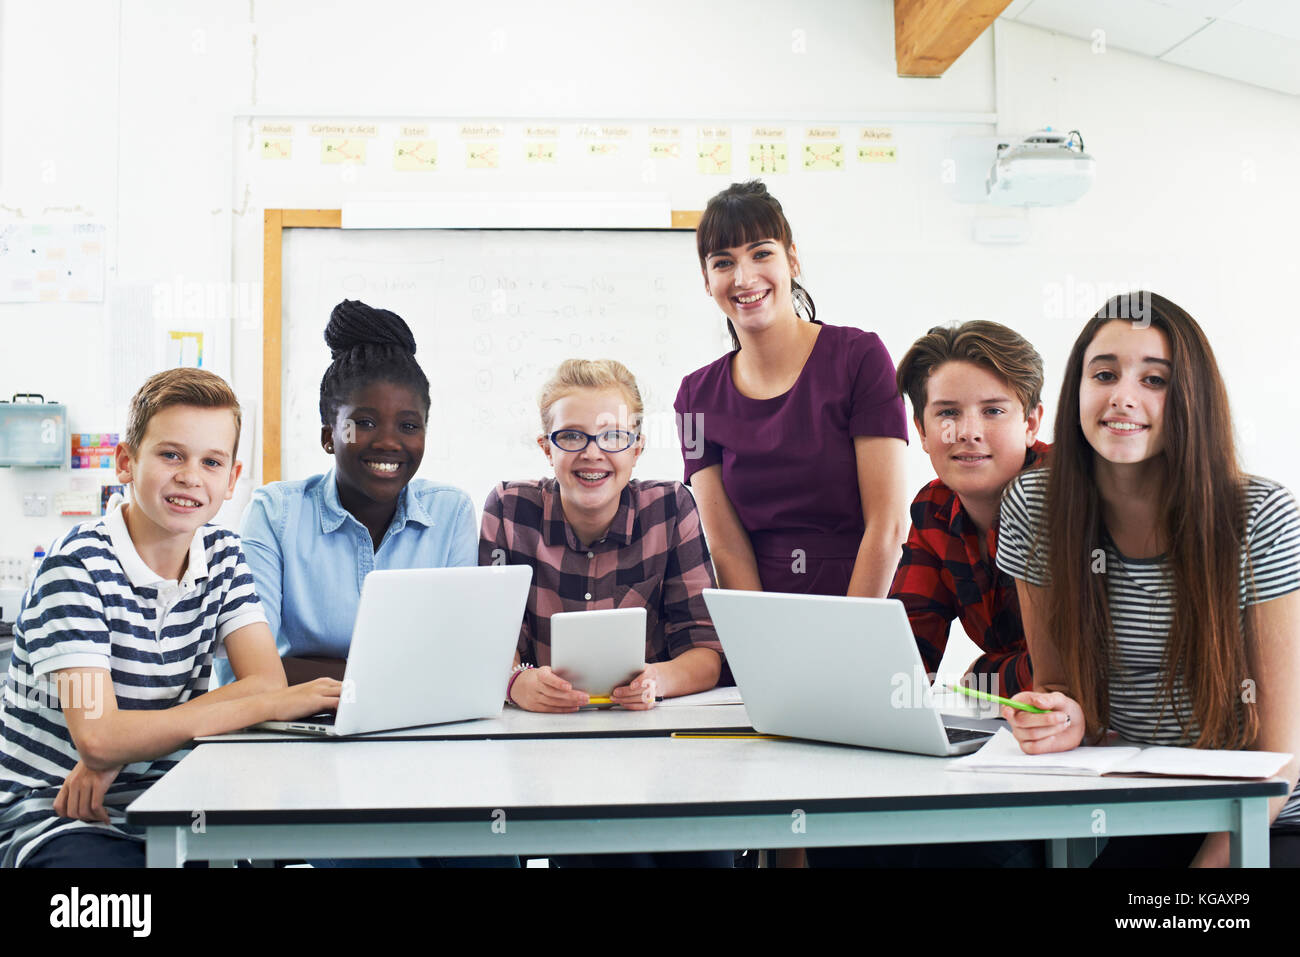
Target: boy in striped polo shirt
114,643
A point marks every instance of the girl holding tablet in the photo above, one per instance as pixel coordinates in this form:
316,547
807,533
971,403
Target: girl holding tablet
794,441
597,538
1159,585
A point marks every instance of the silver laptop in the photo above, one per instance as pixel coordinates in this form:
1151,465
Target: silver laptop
429,645
845,670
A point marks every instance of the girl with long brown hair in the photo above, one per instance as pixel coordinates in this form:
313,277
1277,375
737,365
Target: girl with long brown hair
1157,582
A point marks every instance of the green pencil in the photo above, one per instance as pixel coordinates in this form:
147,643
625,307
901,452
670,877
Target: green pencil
1018,705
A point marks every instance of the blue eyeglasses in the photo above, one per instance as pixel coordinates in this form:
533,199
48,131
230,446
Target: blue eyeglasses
575,440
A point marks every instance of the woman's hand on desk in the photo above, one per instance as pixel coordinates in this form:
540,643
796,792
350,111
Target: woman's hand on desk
302,700
541,689
639,693
82,794
1059,730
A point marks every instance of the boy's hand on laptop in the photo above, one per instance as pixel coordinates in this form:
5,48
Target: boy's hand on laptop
639,693
541,689
303,700
1060,729
82,794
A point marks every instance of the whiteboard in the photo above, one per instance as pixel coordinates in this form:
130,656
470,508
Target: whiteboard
493,313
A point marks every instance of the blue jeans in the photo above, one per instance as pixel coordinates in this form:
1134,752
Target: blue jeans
666,859
416,862
91,849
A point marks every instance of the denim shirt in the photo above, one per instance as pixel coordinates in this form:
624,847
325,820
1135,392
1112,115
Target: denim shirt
309,555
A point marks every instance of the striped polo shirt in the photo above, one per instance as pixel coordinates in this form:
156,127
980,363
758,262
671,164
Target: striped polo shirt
96,604
1140,595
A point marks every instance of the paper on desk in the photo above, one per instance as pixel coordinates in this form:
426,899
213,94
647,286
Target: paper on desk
716,696
1198,762
1002,754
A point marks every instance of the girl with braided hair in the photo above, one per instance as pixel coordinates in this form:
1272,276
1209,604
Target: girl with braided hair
311,542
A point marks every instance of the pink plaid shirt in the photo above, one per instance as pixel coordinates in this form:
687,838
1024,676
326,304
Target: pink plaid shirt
653,557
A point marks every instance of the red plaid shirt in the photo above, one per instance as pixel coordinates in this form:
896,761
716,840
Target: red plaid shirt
942,576
653,557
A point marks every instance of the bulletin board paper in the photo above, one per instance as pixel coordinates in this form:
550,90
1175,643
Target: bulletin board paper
52,262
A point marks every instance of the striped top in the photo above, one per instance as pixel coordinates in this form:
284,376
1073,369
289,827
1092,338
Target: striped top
1140,596
96,604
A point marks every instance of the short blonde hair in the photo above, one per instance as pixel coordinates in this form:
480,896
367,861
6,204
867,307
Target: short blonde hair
575,374
196,387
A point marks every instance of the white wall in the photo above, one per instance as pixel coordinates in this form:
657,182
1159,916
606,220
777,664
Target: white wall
124,113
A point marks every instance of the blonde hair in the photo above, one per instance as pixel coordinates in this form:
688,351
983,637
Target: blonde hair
196,387
575,374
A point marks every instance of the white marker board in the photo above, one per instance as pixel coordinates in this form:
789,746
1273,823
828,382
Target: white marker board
493,313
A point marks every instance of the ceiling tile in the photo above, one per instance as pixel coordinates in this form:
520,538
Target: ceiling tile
1242,53
1272,16
1140,26
1202,8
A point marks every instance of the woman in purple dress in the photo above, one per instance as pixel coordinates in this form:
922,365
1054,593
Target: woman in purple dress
794,441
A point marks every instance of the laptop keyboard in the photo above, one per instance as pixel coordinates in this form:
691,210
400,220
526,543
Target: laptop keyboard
957,735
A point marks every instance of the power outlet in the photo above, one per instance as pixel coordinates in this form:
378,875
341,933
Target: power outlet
36,505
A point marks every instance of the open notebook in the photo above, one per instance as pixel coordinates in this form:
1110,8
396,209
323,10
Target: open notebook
1002,753
715,697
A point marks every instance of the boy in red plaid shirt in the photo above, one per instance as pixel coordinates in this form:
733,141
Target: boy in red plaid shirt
975,393
975,401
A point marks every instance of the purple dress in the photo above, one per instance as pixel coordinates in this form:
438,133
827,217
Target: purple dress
788,463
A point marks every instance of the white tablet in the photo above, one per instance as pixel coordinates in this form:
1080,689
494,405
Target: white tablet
598,651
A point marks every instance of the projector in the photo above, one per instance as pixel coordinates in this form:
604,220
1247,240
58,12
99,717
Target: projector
1046,168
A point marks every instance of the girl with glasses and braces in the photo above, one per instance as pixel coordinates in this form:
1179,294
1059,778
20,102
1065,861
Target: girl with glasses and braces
597,538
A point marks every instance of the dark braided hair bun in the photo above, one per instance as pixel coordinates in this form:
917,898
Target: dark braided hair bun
353,324
367,345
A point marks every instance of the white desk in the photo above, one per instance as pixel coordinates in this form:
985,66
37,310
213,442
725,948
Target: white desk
584,795
516,723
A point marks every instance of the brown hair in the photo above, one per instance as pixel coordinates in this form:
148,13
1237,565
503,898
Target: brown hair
745,213
989,345
196,387
1203,525
574,374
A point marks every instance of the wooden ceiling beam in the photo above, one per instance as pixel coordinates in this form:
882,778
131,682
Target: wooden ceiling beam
930,34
